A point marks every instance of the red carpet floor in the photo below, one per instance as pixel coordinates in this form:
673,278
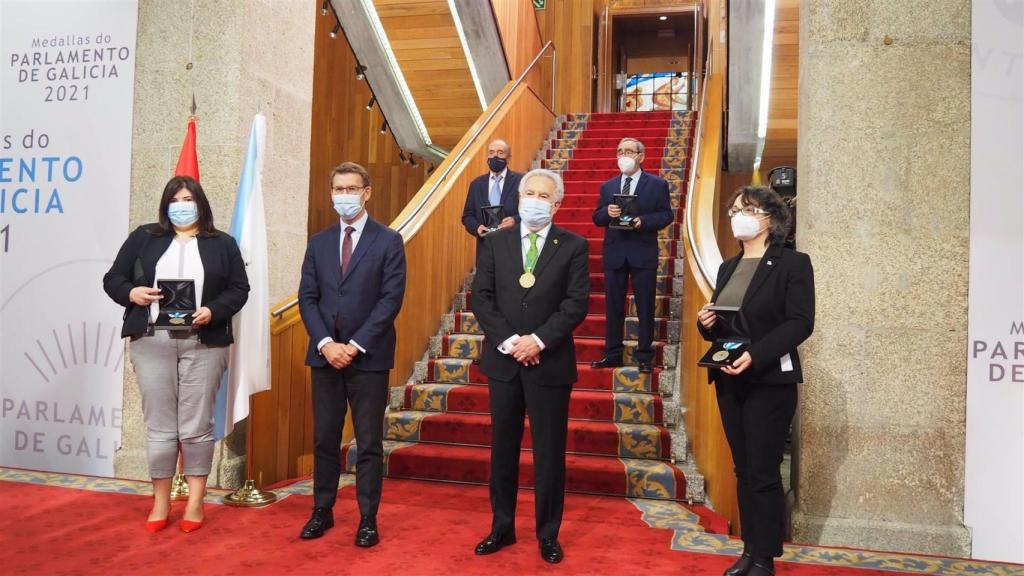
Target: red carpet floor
426,528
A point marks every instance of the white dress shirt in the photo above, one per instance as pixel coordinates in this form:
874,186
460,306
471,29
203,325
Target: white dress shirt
359,224
180,261
632,183
542,235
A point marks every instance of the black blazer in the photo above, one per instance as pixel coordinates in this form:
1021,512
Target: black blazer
225,284
477,198
551,309
779,312
638,248
363,305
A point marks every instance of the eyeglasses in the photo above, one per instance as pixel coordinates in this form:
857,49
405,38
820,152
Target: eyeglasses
348,189
626,153
746,211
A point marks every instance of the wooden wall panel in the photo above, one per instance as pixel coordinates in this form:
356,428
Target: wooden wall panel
343,130
522,38
426,45
570,25
703,421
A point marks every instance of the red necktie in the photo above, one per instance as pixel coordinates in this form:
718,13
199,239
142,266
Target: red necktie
346,250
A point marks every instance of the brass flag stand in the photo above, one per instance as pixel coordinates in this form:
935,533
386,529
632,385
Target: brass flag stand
249,496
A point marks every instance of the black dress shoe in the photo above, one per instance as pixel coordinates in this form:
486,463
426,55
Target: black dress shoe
367,534
741,567
321,521
645,367
606,363
493,543
551,551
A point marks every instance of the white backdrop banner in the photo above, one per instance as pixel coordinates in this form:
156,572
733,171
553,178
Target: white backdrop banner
994,498
66,89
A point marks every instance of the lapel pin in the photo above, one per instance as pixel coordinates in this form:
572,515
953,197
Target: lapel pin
769,262
556,240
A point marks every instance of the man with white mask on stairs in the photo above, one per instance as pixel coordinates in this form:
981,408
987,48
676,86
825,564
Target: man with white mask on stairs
530,291
631,255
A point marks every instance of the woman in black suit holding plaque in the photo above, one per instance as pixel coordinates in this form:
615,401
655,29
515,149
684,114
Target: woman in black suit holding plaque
180,280
773,287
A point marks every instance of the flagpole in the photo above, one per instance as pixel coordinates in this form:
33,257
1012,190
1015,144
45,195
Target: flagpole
249,496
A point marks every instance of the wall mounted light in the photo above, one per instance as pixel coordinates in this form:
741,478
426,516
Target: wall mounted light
373,100
360,72
384,127
336,29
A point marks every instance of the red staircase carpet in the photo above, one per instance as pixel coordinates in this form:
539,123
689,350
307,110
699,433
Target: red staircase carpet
620,442
88,526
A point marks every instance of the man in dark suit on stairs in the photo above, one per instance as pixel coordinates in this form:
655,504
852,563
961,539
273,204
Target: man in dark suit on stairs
352,286
631,254
531,290
499,187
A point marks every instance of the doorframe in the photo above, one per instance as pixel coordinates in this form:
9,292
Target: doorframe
605,42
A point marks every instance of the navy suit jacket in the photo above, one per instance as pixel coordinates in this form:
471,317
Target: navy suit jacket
638,248
479,189
363,305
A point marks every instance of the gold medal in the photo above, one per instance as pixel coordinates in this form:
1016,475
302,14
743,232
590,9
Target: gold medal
527,280
720,355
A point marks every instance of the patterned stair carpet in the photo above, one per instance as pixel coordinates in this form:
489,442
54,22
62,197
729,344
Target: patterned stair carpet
623,439
68,524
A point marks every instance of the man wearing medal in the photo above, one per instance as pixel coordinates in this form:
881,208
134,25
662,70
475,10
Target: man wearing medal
531,290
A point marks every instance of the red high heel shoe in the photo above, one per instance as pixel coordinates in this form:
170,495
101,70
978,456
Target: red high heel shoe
190,526
155,526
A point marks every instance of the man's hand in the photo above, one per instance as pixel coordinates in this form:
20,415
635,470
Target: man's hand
337,355
507,222
526,351
351,351
481,230
614,210
636,223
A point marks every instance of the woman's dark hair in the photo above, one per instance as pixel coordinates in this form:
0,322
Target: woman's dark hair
174,185
780,217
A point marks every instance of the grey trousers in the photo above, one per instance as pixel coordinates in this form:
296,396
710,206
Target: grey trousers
178,379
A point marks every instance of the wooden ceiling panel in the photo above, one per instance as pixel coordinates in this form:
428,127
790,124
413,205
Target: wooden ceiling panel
780,147
427,47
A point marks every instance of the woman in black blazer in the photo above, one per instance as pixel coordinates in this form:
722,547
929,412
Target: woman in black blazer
179,371
757,394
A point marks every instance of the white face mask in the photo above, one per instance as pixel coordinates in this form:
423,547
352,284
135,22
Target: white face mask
535,213
745,227
348,205
626,164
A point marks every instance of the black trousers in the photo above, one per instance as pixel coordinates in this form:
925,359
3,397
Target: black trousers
367,392
644,290
756,419
548,408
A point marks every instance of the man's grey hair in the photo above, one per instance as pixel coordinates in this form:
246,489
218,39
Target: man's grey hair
542,173
639,144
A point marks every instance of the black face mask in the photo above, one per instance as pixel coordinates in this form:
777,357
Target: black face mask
496,164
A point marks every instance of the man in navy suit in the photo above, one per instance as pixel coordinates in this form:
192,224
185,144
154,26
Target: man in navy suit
500,186
353,282
631,254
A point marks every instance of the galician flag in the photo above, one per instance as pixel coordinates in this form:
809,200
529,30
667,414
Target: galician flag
249,366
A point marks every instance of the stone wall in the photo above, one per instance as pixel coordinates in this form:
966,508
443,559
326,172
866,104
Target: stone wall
237,57
884,211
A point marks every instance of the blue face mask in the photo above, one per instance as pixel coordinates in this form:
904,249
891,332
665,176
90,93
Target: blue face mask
348,205
183,214
535,213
